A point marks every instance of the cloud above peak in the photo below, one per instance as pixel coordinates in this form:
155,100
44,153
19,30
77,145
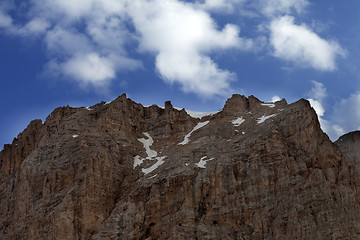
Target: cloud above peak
182,37
93,41
302,46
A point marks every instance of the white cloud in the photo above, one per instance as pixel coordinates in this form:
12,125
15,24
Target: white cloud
331,127
347,113
219,5
34,27
197,74
275,98
318,107
298,44
87,39
182,37
98,37
334,131
91,68
5,20
317,95
279,7
88,68
318,91
68,42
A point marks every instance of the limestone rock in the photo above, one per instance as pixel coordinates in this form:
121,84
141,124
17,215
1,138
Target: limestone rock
123,171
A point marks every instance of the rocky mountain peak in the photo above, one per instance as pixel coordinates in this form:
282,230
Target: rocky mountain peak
119,170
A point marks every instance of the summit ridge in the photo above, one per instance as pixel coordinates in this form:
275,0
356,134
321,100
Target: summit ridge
120,170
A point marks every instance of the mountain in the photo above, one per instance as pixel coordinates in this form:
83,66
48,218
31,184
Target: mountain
120,170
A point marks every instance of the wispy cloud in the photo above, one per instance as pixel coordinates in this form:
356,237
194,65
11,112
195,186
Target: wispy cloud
347,113
280,7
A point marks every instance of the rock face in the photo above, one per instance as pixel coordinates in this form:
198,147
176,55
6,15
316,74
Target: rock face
123,171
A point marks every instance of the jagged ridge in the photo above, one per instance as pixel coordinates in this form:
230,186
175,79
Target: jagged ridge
251,171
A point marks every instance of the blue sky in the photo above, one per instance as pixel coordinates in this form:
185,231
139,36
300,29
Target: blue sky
194,53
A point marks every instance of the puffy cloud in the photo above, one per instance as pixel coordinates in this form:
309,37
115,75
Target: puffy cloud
275,98
195,73
66,42
99,36
181,37
90,68
298,44
87,40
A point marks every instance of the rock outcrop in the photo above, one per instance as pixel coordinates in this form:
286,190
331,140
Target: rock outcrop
123,171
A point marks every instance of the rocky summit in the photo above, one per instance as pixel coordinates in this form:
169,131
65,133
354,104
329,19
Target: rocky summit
120,170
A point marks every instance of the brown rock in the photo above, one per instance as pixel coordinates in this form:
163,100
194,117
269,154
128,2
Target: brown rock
123,171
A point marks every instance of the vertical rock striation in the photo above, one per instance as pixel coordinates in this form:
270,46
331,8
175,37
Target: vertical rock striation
252,171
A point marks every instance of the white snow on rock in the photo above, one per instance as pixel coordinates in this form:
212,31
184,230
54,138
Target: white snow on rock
152,176
160,161
75,136
151,155
187,137
138,161
264,118
271,105
88,108
147,143
237,122
202,162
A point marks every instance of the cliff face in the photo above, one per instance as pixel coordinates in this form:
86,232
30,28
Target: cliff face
124,171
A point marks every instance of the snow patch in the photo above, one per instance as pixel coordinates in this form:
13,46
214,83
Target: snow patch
88,108
152,176
151,155
187,137
202,162
243,133
147,143
75,136
237,122
264,118
270,105
160,161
